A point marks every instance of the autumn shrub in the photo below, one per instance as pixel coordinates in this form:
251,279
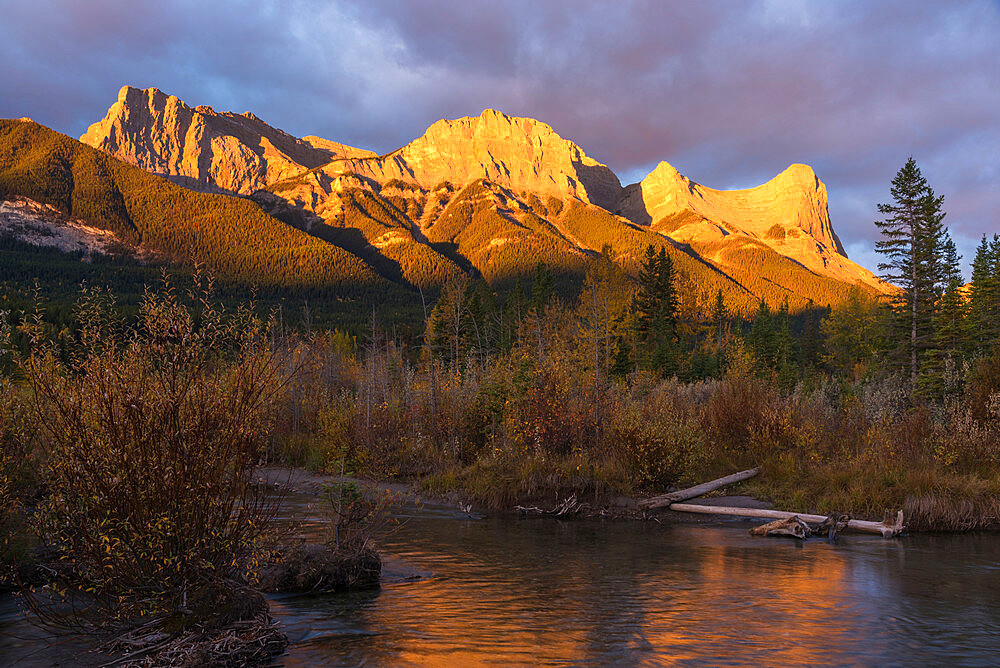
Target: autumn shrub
984,385
655,439
748,419
554,420
965,443
19,483
152,432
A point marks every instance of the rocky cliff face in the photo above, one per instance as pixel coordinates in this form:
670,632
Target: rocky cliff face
521,154
788,214
777,236
204,149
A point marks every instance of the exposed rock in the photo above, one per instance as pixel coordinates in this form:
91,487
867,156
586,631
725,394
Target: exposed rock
788,213
389,209
520,154
204,149
43,225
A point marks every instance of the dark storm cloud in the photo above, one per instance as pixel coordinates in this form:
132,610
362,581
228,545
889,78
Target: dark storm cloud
729,93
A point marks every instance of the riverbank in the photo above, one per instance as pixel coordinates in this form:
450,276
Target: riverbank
930,500
300,481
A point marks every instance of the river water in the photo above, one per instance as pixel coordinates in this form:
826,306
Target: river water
509,591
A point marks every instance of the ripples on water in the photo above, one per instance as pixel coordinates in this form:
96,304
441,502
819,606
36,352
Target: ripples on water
505,591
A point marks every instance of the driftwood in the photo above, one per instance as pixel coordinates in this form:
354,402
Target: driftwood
884,529
793,526
796,527
665,500
568,506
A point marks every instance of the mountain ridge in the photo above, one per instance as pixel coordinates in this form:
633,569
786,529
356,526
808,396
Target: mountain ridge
203,149
774,242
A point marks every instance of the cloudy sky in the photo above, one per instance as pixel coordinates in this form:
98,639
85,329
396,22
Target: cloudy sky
728,92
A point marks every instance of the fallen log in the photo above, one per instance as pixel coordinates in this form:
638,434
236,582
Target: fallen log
885,529
796,527
793,526
665,500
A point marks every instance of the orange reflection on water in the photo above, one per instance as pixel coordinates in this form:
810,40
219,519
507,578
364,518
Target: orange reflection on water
604,594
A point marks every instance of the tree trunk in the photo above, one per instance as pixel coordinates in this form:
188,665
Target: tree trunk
692,492
885,530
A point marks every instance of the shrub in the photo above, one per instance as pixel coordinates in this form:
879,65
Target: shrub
18,484
152,434
655,438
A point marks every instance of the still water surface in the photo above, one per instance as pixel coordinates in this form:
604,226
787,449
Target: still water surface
506,591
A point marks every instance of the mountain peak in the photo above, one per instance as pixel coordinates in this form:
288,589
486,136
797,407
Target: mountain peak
798,173
521,154
201,148
788,213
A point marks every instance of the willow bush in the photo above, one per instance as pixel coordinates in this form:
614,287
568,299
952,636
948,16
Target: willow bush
152,431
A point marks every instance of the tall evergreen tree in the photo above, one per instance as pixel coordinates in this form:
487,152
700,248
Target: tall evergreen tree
984,298
656,309
541,293
940,366
720,317
762,339
913,241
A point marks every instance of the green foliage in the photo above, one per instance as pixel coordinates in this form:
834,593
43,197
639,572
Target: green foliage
984,298
855,333
656,300
914,242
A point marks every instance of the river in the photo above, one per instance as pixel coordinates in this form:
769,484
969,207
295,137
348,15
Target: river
510,591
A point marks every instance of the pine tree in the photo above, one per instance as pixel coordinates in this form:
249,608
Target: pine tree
621,363
784,345
939,369
541,294
655,307
762,339
913,241
811,339
541,287
984,298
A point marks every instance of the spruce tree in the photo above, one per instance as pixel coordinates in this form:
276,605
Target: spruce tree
762,339
938,376
984,298
913,241
655,308
720,317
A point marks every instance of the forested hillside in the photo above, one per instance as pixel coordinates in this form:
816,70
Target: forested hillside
230,236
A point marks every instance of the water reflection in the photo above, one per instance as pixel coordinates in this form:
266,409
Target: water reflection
503,591
510,592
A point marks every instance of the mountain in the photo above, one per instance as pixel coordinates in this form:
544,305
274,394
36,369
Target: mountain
788,214
203,149
55,184
492,195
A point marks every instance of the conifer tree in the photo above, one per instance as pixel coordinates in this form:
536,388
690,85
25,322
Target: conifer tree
720,317
913,241
984,298
541,293
655,309
762,339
